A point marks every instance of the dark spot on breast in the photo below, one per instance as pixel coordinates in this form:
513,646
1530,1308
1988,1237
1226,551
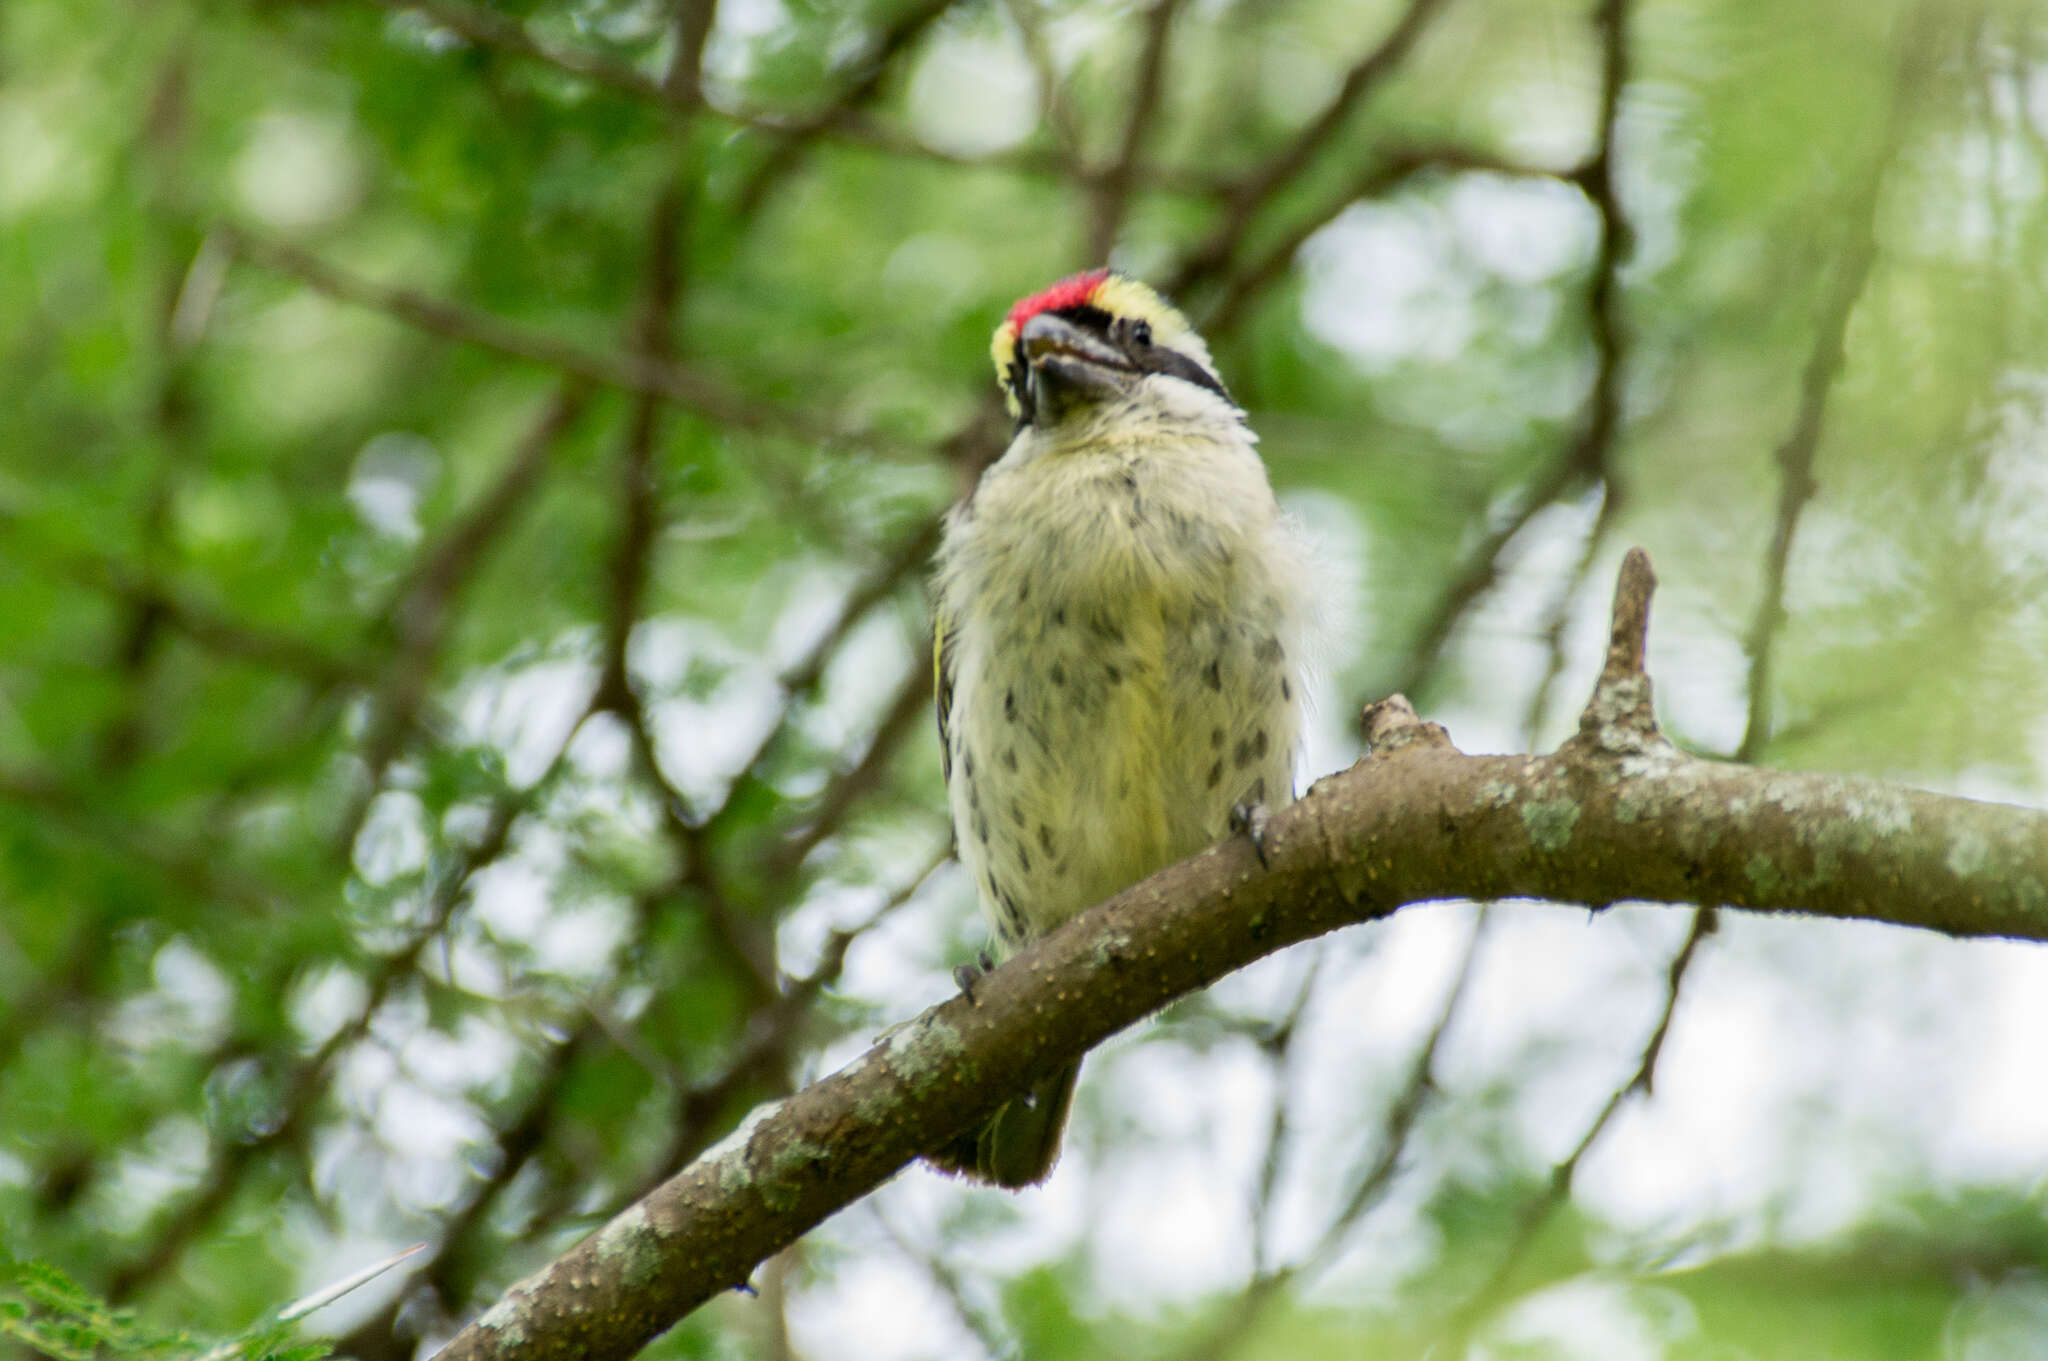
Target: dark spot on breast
1045,838
1214,675
1059,616
1017,815
1010,759
1216,774
1023,859
1058,674
1250,749
1215,739
980,828
1023,590
1286,690
967,769
1010,708
1110,671
1105,628
1270,651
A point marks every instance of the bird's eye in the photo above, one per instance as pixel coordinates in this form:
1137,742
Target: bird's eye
1141,333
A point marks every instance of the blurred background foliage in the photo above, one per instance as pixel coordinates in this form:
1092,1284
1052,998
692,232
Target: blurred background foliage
466,474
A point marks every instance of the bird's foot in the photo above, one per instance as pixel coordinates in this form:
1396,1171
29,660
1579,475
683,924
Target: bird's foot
967,975
1249,820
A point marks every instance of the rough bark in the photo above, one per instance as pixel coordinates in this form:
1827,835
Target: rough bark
1615,813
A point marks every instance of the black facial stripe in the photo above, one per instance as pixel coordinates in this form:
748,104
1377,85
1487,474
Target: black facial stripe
1159,359
1088,315
1147,358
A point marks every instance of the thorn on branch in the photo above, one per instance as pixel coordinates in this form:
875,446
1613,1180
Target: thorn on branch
1628,639
1620,717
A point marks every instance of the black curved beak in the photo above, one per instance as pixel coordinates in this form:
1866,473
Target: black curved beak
1069,364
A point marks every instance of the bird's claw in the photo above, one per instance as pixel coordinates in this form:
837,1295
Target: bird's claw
1249,820
967,975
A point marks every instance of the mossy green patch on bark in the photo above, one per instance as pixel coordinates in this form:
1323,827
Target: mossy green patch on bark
631,1246
1549,822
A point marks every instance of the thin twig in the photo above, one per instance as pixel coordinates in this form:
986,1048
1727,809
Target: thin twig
487,29
1477,575
1458,1330
639,509
872,70
171,416
1268,1280
1394,170
448,1272
1250,196
1053,109
988,1330
1110,192
698,392
761,1058
1402,1115
302,1088
195,869
1589,459
212,629
765,1050
1279,1050
906,713
421,609
1795,455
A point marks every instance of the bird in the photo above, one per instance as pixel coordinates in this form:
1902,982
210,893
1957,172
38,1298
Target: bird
1121,609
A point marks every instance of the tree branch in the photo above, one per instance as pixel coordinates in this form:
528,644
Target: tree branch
1615,813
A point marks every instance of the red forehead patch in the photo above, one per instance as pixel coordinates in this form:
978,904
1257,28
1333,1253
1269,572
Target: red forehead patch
1068,292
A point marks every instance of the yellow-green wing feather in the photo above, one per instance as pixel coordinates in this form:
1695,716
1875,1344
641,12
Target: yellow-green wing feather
942,687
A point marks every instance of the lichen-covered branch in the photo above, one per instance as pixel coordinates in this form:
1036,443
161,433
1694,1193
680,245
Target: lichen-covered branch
1617,812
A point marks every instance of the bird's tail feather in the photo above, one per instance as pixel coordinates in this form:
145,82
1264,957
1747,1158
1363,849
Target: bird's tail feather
1021,1141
